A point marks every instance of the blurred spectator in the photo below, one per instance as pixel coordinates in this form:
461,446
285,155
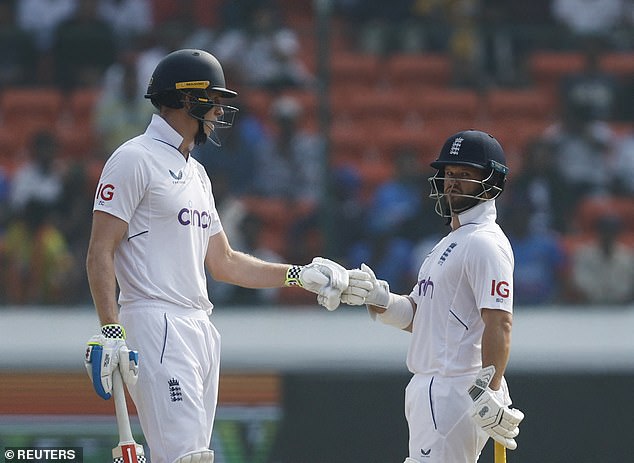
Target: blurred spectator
18,54
78,188
591,92
539,260
348,211
37,257
623,166
289,165
537,190
589,18
289,161
392,225
265,54
5,196
383,28
465,45
121,111
84,47
603,270
582,148
234,161
40,18
251,228
129,19
40,178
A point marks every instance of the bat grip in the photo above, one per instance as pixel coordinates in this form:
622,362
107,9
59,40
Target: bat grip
121,408
499,453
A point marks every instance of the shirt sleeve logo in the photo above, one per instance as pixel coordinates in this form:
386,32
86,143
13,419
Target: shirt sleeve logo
105,192
500,288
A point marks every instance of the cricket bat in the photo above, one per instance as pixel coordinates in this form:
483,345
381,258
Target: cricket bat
499,453
128,451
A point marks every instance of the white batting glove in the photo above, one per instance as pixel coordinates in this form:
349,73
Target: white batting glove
489,412
104,353
322,276
359,287
378,292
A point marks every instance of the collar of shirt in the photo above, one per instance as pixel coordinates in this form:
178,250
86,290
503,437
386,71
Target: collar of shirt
482,213
160,130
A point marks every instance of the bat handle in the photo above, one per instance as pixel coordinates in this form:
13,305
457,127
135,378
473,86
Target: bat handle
121,408
499,453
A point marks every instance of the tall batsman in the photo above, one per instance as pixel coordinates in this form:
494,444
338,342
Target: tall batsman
155,230
460,312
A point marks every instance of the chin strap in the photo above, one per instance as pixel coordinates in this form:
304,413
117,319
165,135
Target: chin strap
201,137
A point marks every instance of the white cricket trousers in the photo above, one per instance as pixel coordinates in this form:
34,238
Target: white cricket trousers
440,428
179,366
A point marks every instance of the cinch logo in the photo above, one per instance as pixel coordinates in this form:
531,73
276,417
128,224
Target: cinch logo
105,192
500,288
424,285
194,218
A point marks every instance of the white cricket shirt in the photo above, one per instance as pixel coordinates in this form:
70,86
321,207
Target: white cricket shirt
469,269
171,214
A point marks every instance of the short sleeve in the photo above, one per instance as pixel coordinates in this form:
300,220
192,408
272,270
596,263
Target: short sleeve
489,270
122,185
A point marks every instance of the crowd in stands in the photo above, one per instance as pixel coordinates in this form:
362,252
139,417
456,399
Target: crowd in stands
553,80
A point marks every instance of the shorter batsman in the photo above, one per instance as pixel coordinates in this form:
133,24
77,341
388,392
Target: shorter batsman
460,312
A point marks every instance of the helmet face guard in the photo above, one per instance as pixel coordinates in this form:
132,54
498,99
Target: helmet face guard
470,148
191,76
489,188
201,104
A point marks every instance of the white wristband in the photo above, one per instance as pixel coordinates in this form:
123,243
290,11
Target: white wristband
399,312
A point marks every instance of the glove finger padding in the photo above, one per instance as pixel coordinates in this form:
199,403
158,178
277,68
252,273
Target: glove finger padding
129,369
313,280
498,421
330,298
359,286
322,272
491,414
380,293
337,274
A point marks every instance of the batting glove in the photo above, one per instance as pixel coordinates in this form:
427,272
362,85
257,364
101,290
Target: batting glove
323,277
359,292
489,412
359,287
104,353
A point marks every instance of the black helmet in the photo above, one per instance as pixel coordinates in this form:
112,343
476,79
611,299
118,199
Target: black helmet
472,148
475,149
194,73
186,70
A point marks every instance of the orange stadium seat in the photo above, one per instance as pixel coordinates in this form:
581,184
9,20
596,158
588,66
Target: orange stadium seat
346,67
387,106
525,103
76,142
414,70
447,104
348,142
546,68
592,209
620,64
82,103
19,104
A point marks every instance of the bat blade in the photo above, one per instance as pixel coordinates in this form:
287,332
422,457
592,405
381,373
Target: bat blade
128,451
